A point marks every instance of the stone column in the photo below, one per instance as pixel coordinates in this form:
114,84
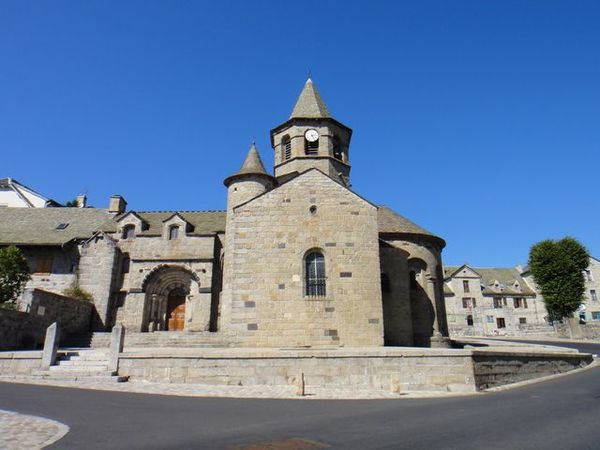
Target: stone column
117,339
50,346
437,338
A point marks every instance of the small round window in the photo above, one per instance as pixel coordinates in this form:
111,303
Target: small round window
313,209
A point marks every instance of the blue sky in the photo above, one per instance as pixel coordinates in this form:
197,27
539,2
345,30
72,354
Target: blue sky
479,120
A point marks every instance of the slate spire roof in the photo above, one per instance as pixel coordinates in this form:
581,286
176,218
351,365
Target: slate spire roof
253,165
310,105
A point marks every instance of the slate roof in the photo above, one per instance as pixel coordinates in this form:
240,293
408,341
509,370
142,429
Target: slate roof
37,226
252,165
392,222
310,105
505,276
202,222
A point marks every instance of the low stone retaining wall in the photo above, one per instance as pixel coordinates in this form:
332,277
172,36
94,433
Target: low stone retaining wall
20,363
396,369
378,368
26,329
496,368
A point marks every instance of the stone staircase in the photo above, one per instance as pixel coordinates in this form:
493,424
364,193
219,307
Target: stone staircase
75,365
100,340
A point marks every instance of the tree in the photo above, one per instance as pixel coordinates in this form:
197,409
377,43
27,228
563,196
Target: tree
72,203
557,267
14,273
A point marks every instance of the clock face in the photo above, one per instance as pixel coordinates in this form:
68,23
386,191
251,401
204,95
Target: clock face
311,135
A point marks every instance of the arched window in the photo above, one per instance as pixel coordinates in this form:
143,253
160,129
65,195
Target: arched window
315,274
385,283
470,320
286,148
128,232
173,232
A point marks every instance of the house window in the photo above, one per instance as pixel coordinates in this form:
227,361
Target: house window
593,295
311,148
520,302
315,278
500,323
588,275
469,302
522,320
497,302
470,320
466,285
173,232
128,232
286,148
595,315
43,264
385,284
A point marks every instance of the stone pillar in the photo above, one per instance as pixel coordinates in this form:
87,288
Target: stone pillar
117,339
50,346
437,338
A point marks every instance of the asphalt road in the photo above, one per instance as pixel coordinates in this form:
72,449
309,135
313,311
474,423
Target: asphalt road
558,414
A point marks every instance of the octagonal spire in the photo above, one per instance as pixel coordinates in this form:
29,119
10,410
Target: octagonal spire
310,105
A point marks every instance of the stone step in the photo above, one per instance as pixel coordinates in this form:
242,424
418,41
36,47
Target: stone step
68,377
96,369
100,340
98,357
82,363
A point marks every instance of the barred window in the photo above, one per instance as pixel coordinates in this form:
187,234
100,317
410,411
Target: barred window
315,274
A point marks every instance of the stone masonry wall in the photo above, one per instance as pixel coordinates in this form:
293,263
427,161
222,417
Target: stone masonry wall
379,368
97,275
267,240
26,329
498,369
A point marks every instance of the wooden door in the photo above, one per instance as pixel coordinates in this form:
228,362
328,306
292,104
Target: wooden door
176,313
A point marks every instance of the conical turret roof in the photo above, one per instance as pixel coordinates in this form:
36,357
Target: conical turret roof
310,105
253,165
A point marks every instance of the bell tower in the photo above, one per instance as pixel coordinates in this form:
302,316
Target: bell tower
312,138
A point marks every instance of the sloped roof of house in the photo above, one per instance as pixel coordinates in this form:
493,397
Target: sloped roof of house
505,276
40,226
19,188
202,222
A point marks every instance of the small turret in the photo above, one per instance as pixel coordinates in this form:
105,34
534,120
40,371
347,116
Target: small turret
249,182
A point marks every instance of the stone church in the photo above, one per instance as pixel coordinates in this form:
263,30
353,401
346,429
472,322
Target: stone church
297,259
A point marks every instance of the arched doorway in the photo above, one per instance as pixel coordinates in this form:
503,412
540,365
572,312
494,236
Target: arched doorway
175,319
170,295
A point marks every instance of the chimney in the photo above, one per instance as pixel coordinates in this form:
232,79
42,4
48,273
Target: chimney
81,201
117,204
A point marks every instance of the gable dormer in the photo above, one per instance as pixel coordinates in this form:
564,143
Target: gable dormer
175,227
130,225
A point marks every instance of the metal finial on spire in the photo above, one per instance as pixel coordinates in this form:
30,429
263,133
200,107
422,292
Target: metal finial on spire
309,74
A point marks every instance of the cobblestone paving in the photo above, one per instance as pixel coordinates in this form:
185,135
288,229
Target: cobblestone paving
21,432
